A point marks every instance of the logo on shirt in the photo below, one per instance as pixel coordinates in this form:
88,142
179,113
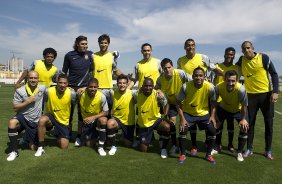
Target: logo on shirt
56,110
144,112
250,75
193,105
148,76
118,108
100,70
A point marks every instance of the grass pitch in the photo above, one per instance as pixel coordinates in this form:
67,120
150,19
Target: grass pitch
84,165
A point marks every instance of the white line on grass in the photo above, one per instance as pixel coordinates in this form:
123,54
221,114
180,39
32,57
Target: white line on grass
278,112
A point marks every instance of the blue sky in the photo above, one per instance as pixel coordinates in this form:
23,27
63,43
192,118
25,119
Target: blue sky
29,26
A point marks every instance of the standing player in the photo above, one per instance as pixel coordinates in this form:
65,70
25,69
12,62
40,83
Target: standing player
59,98
94,111
27,102
77,64
188,63
45,68
123,114
196,96
227,65
233,105
170,82
148,67
255,68
104,66
149,117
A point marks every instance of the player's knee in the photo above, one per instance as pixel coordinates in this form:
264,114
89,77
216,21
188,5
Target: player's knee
103,120
111,124
43,121
13,123
63,143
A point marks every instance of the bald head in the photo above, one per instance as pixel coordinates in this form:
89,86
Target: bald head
33,78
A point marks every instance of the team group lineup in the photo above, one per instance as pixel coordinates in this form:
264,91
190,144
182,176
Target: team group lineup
200,100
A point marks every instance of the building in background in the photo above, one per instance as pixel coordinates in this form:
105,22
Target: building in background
12,70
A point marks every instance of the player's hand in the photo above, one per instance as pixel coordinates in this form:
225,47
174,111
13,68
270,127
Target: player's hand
89,120
31,99
116,54
183,123
244,126
274,97
160,94
80,90
213,121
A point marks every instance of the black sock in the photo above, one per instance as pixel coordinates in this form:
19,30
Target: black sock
173,134
78,136
102,135
242,139
182,145
112,136
13,134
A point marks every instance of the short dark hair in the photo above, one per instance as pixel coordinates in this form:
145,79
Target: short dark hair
229,49
93,80
148,79
78,40
104,37
146,44
50,51
246,42
122,76
198,68
231,73
189,40
165,61
62,76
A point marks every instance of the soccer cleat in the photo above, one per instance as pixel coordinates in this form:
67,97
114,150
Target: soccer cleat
77,142
173,149
231,148
181,159
102,152
164,153
113,150
268,154
40,151
240,157
210,159
248,153
12,156
193,151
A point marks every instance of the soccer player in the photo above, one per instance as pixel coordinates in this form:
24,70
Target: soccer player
255,69
196,96
149,117
170,83
233,105
148,67
227,65
123,114
94,111
188,63
59,100
104,66
45,68
27,102
77,64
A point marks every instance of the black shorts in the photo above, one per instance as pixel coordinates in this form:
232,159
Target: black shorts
146,133
127,130
60,130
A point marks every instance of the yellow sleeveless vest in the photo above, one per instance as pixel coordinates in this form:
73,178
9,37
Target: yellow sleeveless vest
103,69
45,75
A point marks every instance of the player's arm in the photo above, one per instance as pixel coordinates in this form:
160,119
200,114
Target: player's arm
19,103
66,64
268,65
179,107
22,77
212,97
243,124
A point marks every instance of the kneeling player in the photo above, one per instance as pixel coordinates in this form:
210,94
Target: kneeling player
149,117
27,103
233,105
59,98
123,114
94,111
197,95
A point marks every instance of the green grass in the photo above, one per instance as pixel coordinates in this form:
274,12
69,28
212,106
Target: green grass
84,165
